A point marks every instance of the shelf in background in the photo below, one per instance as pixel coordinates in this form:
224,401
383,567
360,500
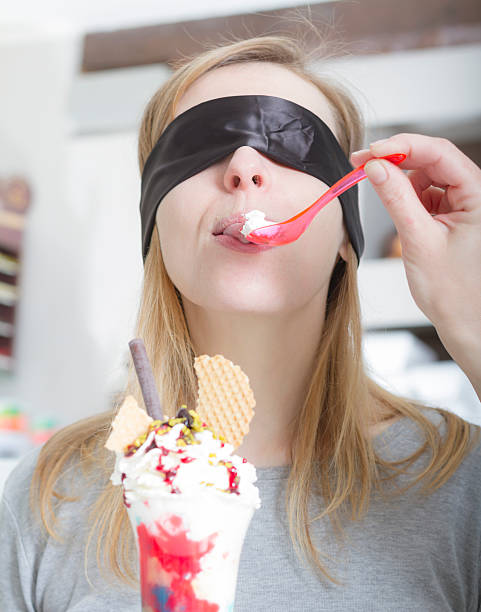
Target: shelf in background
386,300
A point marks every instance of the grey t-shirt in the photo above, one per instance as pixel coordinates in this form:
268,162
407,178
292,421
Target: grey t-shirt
409,554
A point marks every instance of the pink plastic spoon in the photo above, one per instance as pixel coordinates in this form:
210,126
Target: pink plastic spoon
290,230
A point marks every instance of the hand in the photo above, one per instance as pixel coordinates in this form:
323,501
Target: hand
436,208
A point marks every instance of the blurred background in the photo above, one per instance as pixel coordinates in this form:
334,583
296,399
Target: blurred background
75,78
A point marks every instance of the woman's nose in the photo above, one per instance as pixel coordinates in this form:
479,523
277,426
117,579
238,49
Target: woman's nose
246,170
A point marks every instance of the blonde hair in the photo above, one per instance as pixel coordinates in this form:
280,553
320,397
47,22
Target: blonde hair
332,455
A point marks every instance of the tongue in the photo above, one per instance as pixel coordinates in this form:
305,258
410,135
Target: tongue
235,231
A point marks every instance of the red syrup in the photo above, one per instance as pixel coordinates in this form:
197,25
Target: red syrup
169,475
187,459
179,557
233,480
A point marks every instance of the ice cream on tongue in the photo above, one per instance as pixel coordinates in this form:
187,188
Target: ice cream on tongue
235,230
253,220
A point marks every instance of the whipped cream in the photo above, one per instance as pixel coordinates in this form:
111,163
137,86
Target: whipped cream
173,458
253,220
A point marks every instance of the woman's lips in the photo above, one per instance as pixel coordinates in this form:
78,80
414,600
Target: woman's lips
232,238
236,245
234,230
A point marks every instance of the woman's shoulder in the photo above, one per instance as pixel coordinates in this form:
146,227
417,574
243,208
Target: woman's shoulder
15,510
461,438
407,435
70,479
446,422
17,485
450,423
472,444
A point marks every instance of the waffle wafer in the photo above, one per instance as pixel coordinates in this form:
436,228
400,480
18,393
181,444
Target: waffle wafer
131,421
225,400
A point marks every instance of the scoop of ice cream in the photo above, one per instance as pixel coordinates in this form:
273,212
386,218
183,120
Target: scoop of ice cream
253,220
183,456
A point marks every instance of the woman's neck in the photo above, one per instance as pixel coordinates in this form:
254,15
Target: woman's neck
277,352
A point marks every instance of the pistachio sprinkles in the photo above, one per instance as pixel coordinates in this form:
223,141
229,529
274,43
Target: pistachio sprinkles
185,431
191,423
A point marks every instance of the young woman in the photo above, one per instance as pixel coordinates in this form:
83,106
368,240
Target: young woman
369,501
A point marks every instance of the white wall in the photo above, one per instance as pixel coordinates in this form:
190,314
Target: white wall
429,88
58,369
104,191
92,15
418,86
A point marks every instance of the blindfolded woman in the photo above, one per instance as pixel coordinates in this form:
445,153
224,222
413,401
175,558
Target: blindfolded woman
370,501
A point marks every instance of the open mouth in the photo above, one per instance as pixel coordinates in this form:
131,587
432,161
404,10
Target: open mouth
230,226
234,230
227,232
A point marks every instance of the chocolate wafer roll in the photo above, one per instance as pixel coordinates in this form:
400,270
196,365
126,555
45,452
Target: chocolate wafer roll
146,379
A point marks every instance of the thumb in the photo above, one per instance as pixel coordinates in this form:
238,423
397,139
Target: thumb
412,220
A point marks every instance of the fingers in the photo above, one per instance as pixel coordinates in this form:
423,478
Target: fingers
434,200
442,162
421,181
413,222
439,157
429,193
360,157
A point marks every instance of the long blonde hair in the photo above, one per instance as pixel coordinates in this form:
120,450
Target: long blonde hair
331,452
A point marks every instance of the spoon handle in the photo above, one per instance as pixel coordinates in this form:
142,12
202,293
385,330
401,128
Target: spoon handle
344,184
290,230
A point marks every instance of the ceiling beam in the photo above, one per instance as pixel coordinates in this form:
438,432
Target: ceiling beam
362,27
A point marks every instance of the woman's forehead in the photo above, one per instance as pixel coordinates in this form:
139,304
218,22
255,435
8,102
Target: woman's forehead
256,78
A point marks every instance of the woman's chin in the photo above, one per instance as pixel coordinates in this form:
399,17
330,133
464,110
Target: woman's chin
248,300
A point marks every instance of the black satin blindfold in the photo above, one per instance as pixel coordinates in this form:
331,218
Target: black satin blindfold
282,130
